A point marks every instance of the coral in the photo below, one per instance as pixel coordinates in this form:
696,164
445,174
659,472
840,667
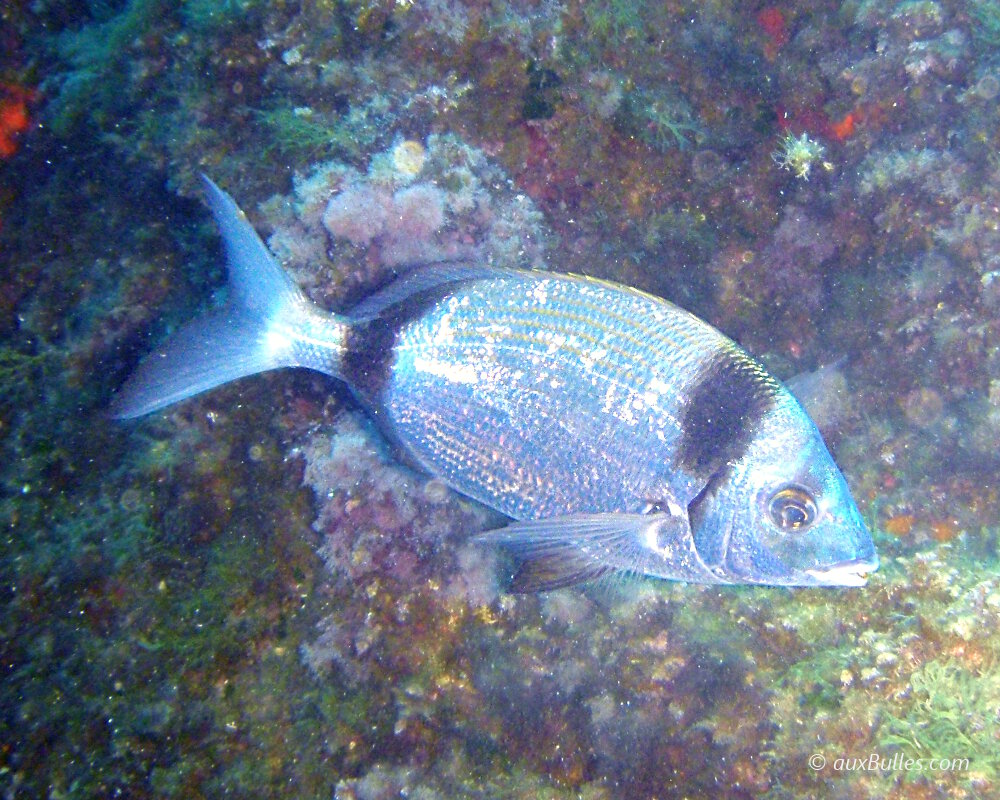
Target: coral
404,223
358,214
418,213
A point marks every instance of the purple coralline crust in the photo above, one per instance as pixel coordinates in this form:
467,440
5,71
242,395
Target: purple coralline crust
380,518
379,223
382,524
359,214
419,622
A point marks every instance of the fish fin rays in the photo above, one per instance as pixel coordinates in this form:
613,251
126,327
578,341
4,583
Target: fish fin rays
256,280
554,571
253,332
556,552
209,351
561,551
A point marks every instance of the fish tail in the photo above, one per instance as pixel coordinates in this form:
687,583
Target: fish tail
266,323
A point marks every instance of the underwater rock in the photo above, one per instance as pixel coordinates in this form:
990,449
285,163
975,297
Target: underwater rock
342,232
382,524
825,395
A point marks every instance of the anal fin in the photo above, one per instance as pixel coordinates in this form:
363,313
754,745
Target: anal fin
557,571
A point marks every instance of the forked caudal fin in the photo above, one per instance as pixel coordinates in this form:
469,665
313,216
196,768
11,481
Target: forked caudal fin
266,323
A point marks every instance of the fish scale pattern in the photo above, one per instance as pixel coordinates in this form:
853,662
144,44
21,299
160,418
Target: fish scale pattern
552,395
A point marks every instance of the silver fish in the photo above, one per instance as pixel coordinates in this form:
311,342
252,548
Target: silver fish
622,433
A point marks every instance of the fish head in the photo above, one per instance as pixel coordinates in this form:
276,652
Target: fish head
782,513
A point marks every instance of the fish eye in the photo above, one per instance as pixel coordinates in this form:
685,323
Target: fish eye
654,507
792,508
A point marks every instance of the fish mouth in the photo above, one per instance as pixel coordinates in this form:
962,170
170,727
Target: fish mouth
847,573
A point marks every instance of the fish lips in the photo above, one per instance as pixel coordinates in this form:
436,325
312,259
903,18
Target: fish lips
853,572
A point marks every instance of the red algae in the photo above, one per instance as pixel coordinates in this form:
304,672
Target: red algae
944,530
15,118
899,524
844,128
772,22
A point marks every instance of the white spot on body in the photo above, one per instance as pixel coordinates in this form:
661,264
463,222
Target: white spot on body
445,333
452,372
540,293
609,399
556,342
591,359
657,385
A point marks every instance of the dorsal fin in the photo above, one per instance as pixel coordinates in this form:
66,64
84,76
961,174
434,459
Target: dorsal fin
422,279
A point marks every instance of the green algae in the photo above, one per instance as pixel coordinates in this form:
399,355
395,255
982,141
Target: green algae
22,372
951,713
986,14
614,21
304,133
98,55
660,119
160,638
214,15
115,662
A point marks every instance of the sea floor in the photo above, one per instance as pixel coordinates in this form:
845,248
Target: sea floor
250,594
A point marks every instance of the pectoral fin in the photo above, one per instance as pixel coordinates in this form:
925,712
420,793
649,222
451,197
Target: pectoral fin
562,551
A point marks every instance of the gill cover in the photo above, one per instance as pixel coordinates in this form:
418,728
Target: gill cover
783,514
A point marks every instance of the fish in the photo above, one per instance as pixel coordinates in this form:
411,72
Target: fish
619,433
